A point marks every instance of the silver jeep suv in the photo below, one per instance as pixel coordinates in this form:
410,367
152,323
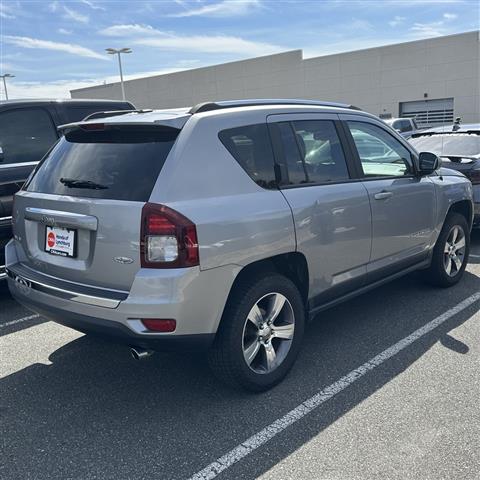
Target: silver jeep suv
226,226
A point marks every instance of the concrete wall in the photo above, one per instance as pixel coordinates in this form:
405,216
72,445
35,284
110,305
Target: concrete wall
375,79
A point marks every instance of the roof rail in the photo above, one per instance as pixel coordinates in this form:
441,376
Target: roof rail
114,113
210,106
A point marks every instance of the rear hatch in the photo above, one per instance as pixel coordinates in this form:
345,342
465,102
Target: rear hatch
78,218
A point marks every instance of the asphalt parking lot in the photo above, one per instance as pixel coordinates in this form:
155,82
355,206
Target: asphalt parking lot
75,407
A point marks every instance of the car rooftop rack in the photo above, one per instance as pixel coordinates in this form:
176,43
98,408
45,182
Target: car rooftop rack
114,113
210,106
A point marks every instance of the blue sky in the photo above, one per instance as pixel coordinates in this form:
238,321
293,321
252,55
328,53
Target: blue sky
53,46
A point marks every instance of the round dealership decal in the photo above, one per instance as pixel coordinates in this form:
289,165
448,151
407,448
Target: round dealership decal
51,239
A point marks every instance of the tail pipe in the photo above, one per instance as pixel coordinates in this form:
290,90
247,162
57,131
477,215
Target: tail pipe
140,353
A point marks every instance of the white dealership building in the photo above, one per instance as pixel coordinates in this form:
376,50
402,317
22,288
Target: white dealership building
433,80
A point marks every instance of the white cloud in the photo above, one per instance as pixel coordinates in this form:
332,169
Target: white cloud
75,16
64,31
450,16
27,42
359,24
92,5
6,11
61,88
426,30
128,30
227,8
397,20
408,3
148,36
54,6
210,44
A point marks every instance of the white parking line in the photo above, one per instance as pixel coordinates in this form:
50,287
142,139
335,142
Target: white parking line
19,320
257,440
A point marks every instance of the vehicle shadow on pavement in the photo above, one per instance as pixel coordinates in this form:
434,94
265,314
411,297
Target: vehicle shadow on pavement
96,413
11,312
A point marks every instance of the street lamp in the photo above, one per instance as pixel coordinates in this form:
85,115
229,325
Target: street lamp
114,51
4,76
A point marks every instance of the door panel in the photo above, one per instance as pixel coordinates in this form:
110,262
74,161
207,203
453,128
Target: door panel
402,222
402,203
331,213
333,230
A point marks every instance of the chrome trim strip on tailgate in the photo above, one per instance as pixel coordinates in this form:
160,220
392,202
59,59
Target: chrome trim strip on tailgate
27,282
63,219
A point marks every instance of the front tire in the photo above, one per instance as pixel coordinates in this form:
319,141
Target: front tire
450,255
260,333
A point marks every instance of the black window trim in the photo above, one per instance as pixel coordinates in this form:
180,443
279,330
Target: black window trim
358,161
281,165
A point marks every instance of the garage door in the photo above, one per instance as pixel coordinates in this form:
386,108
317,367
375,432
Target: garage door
429,113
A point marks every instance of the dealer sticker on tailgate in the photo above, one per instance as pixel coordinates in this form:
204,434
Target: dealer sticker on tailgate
60,241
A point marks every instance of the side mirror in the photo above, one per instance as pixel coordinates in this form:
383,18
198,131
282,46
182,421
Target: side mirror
428,163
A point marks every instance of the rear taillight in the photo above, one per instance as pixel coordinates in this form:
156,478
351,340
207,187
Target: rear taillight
168,239
474,176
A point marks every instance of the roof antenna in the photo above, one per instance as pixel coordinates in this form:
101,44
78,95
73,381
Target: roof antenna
456,124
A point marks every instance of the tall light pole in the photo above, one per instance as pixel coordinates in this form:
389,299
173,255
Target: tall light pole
4,76
114,51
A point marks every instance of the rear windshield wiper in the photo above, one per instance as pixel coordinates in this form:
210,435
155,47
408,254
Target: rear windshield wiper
76,183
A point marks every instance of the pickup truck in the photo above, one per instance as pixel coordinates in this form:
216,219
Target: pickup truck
406,127
28,128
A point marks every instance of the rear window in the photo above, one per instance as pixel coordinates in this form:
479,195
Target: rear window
116,164
251,147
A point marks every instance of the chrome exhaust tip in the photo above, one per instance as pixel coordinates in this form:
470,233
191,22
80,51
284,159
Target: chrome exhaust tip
140,353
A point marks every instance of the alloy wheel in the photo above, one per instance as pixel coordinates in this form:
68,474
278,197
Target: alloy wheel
268,333
454,251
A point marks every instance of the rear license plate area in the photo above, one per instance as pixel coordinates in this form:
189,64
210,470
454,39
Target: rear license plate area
61,241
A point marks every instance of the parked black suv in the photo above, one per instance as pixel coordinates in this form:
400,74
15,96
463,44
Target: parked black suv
28,128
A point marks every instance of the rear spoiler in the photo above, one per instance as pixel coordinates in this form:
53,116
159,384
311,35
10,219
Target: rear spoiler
174,123
113,113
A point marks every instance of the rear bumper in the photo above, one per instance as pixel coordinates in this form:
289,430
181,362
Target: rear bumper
115,331
5,236
194,298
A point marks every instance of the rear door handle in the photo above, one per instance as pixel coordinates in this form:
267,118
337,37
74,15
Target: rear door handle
383,195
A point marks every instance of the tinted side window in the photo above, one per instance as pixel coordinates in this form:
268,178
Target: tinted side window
321,150
251,147
380,153
26,134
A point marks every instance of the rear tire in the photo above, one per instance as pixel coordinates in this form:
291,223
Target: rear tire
260,333
450,254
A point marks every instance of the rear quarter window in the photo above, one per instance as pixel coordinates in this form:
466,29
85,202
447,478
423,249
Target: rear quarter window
250,146
117,164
